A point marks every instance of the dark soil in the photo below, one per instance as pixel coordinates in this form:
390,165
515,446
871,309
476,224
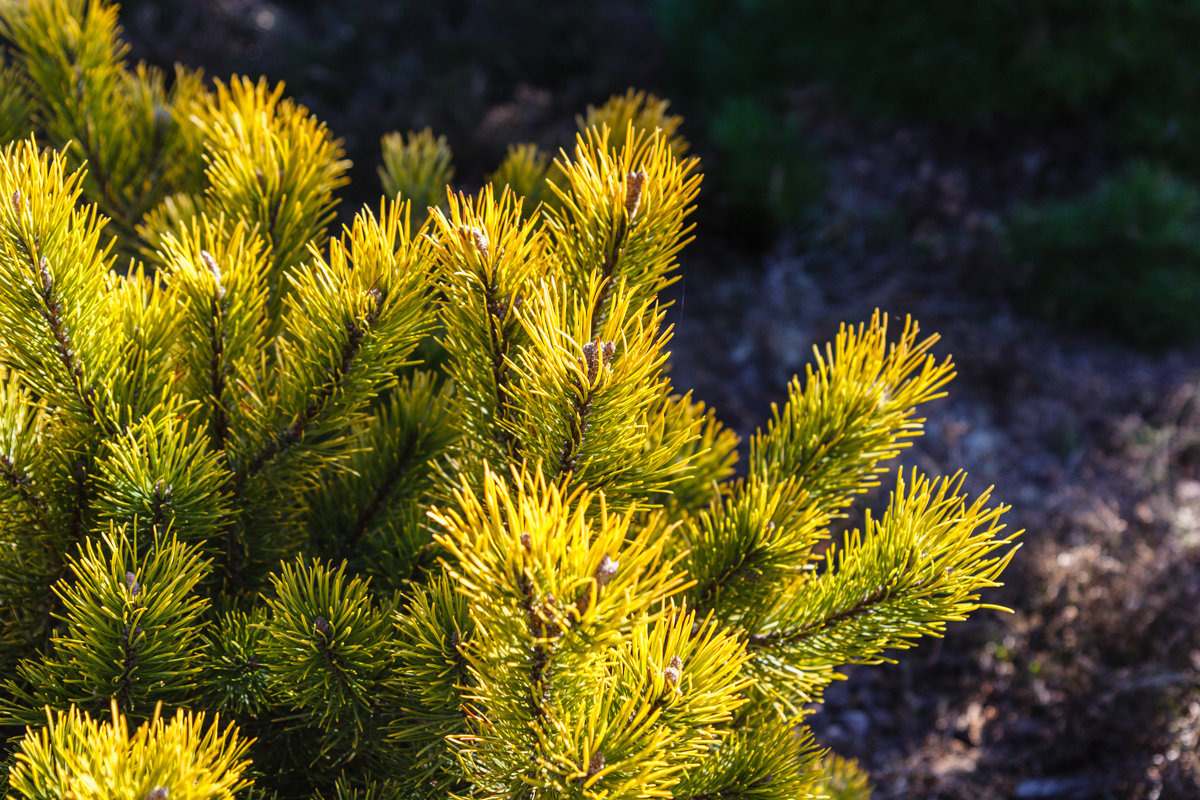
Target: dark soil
1089,689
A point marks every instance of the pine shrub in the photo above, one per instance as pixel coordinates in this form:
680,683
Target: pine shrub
411,509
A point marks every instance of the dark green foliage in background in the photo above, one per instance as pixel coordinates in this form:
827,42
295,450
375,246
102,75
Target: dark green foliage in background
482,74
769,175
485,75
1126,256
960,63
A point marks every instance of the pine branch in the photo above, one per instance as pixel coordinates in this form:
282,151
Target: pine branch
51,311
326,644
759,641
270,163
188,756
281,442
596,356
909,573
159,476
624,222
539,659
132,629
55,287
855,410
489,259
130,645
401,467
621,216
499,310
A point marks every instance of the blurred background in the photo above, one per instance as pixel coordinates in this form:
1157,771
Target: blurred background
1022,176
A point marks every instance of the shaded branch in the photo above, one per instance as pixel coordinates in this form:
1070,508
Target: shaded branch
80,505
322,631
219,427
365,517
20,482
129,650
499,308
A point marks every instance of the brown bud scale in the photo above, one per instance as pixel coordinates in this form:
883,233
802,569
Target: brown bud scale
634,183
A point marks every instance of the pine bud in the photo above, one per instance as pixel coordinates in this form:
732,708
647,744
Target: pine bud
550,616
16,202
595,764
47,281
132,584
633,191
527,542
671,673
322,627
589,360
157,793
211,263
499,307
607,351
606,570
478,238
595,355
375,298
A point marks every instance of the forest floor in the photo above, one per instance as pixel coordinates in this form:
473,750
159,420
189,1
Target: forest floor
1090,688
